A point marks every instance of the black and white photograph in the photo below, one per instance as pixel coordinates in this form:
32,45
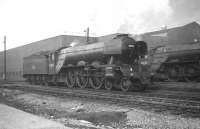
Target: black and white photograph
99,64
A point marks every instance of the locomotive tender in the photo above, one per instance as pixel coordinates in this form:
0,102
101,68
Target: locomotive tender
119,63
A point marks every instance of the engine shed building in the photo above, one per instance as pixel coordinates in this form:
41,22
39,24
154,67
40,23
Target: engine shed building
187,34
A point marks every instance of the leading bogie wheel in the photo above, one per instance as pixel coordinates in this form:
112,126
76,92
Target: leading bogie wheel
125,85
109,84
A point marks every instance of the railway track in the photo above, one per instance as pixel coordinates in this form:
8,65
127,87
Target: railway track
159,102
162,93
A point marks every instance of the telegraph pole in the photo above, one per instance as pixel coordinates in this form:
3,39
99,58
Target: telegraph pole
87,34
4,58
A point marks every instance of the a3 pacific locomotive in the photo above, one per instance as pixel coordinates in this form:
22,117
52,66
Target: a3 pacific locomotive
119,63
175,53
176,63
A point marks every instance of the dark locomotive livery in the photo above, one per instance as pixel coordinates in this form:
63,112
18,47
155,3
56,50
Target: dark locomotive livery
119,63
176,63
175,53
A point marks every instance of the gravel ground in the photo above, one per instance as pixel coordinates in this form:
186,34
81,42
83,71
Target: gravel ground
83,113
12,118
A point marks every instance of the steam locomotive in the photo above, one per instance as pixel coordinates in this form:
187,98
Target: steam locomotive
176,63
174,53
120,63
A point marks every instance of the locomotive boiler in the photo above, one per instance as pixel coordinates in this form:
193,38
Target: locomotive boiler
119,63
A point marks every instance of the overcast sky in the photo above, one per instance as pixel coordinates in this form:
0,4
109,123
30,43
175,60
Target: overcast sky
25,21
